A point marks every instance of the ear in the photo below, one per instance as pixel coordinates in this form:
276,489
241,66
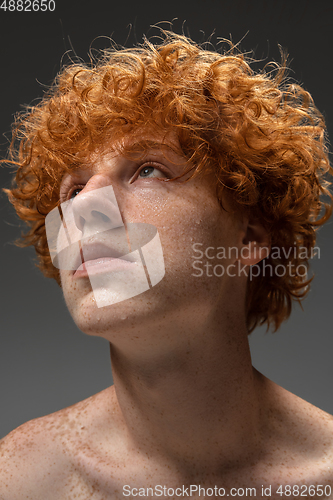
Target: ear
256,242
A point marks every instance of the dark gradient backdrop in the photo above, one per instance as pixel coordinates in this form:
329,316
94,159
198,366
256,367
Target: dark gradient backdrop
45,362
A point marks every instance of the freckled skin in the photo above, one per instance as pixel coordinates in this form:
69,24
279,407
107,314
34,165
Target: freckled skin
187,407
150,201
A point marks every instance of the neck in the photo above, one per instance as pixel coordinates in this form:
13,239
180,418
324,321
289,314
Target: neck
195,403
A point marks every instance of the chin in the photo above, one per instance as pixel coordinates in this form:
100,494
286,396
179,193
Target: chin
108,320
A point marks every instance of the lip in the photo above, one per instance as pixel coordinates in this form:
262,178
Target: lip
96,258
102,265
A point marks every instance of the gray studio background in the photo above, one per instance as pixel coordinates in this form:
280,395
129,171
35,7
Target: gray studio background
46,363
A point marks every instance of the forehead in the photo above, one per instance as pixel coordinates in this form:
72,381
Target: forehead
137,144
124,153
135,147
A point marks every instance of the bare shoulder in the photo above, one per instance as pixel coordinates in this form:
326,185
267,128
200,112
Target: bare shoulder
301,434
36,459
29,461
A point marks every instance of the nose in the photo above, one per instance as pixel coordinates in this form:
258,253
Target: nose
95,208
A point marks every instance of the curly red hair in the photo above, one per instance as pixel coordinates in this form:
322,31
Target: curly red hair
262,136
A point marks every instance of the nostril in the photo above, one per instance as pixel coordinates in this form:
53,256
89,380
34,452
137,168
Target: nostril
81,223
97,214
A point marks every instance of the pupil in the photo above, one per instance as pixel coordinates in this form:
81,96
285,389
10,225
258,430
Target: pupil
147,170
75,192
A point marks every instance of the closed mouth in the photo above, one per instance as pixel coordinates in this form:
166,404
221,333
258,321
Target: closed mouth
100,255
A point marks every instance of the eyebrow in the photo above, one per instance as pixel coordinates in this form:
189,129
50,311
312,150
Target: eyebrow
141,148
145,145
138,149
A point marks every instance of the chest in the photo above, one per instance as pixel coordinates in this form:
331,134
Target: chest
123,475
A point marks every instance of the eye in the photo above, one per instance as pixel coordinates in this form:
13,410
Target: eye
151,171
69,193
74,192
70,187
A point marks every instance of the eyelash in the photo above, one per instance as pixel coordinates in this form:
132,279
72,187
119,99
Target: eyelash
67,192
150,164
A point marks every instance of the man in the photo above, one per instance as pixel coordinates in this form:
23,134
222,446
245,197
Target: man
134,175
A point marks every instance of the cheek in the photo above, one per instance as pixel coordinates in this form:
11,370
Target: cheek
200,221
73,290
185,219
80,303
148,205
68,288
184,215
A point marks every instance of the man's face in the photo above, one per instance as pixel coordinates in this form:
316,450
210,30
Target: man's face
183,213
